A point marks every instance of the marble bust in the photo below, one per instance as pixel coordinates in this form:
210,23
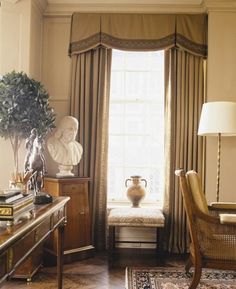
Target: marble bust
62,146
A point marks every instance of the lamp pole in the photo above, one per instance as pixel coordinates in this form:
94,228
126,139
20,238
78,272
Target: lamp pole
218,169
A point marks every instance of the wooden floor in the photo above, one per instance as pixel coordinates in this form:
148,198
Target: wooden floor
97,272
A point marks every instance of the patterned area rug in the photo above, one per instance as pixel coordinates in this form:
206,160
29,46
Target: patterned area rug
175,278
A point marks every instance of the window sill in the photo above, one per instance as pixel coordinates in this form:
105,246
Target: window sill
125,204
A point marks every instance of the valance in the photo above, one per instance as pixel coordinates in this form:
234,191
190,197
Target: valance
139,32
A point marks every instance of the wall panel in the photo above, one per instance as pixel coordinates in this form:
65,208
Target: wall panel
221,86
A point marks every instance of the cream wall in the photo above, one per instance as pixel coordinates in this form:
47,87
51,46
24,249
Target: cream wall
38,45
221,85
36,35
14,36
20,50
56,70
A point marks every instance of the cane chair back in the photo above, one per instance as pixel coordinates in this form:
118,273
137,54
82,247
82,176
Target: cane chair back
213,244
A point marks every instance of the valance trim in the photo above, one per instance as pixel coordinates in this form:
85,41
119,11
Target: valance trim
122,44
137,44
85,44
138,32
186,44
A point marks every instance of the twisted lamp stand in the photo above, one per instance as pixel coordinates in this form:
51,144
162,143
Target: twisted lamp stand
218,169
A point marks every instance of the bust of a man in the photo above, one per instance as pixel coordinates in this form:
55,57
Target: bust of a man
62,146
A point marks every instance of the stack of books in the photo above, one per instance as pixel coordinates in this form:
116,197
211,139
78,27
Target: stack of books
13,203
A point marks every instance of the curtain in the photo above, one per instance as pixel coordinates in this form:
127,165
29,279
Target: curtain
184,86
138,32
93,35
90,103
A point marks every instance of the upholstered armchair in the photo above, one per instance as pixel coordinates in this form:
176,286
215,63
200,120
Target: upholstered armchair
213,235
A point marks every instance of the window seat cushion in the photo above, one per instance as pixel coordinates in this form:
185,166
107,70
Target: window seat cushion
136,217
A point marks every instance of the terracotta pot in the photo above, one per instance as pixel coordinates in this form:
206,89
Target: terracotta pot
136,192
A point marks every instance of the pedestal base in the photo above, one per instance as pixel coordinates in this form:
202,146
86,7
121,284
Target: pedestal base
65,171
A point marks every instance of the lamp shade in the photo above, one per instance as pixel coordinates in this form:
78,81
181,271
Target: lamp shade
218,117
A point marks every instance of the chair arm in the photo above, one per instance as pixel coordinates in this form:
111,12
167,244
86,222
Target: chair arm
228,219
208,225
222,206
207,218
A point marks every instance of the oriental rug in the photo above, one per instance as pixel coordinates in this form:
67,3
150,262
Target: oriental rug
175,278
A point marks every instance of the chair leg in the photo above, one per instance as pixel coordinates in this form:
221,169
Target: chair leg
188,265
196,277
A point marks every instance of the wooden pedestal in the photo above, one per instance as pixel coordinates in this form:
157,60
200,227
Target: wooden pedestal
78,244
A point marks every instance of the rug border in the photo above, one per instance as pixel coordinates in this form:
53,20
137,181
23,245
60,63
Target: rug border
128,272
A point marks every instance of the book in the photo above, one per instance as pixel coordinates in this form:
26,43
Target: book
9,210
12,198
12,217
9,192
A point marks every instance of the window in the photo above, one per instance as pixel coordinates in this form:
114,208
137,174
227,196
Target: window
136,123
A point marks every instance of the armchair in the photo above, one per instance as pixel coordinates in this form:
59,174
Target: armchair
213,236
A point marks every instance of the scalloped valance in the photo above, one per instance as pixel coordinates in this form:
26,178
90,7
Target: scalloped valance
139,32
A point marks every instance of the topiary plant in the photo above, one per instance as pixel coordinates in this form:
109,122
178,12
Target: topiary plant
24,105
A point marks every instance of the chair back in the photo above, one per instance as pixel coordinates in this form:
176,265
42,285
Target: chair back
194,200
213,244
188,202
196,191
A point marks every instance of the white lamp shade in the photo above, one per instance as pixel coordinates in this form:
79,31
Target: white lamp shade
218,117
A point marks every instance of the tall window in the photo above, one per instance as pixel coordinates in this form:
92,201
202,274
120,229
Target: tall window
136,123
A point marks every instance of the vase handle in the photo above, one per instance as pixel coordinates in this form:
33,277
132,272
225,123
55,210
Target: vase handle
126,181
145,181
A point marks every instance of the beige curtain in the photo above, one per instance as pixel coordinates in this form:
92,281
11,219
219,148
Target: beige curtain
93,35
138,32
90,104
184,82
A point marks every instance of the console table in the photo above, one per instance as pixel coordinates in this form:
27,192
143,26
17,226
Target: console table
18,241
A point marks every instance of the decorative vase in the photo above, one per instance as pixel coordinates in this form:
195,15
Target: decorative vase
136,192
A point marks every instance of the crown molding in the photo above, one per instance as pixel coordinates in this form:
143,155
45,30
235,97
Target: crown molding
220,5
41,5
131,2
67,9
10,1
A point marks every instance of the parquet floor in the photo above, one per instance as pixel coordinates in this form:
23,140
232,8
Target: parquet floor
95,273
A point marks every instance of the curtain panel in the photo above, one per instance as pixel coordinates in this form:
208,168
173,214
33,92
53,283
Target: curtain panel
185,93
138,32
89,103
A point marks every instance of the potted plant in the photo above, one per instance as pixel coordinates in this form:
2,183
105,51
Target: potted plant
24,105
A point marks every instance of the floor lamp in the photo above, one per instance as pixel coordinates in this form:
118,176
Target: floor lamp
218,119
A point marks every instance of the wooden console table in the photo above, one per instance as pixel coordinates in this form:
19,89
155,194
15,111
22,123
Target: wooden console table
18,241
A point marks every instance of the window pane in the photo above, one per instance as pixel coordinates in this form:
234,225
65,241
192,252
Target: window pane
117,85
135,85
136,61
136,122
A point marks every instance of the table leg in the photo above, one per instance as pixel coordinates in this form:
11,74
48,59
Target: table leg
60,247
